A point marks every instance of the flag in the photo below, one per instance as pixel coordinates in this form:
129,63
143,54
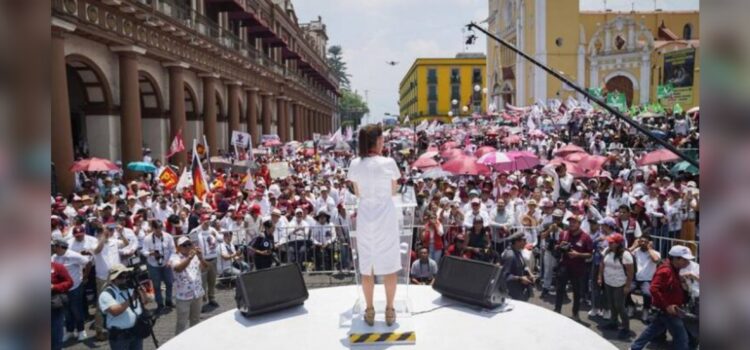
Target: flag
422,126
664,91
596,92
240,139
168,177
336,136
617,100
177,144
200,187
185,180
677,109
634,110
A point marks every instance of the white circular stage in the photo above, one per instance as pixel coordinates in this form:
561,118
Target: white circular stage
316,326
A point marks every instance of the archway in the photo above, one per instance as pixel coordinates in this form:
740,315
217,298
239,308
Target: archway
622,84
154,127
89,95
222,124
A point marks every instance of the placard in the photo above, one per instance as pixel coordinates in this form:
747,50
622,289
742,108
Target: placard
679,68
278,170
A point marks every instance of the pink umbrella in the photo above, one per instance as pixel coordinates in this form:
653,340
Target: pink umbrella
576,157
93,164
659,156
448,145
425,163
523,160
571,167
465,165
512,139
592,164
568,149
452,153
429,154
484,150
500,161
272,143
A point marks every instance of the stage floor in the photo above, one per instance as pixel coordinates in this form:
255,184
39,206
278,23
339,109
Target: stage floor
449,325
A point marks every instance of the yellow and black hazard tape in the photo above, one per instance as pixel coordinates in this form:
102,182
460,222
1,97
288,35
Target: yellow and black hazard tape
390,337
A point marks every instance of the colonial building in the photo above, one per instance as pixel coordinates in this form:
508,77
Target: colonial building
630,52
440,88
130,74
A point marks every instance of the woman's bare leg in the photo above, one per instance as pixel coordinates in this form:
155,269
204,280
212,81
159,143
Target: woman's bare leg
368,284
390,289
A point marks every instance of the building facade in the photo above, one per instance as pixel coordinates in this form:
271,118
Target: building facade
131,74
617,51
432,85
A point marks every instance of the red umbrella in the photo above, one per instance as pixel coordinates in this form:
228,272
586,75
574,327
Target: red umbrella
523,160
568,149
592,164
659,156
576,157
465,165
448,145
425,163
93,164
571,167
484,150
512,139
452,153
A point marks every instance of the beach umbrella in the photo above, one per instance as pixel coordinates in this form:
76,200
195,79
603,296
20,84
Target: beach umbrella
684,166
425,163
568,149
484,150
451,153
523,160
661,155
592,164
465,165
143,167
93,164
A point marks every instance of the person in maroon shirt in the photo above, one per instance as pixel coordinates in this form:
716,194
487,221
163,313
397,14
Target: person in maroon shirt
575,247
667,296
61,283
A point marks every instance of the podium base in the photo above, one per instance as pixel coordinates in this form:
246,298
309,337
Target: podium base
401,332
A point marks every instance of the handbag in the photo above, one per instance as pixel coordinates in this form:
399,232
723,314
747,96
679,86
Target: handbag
59,301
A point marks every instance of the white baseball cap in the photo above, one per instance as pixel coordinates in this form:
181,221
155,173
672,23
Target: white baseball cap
681,251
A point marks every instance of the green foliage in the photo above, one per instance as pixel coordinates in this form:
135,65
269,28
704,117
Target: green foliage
352,107
338,66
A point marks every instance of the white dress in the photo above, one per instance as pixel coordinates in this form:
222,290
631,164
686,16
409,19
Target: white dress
377,240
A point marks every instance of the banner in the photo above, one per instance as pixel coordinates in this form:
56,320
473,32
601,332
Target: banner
617,100
169,178
278,170
664,91
679,67
596,92
240,139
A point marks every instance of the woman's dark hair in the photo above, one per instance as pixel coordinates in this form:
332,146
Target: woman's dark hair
368,137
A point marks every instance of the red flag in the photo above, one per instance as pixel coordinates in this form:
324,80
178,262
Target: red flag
200,187
169,178
177,144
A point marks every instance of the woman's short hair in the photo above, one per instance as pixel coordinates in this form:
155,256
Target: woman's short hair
368,137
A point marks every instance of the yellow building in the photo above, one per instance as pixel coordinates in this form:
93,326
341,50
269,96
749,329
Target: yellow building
618,51
431,85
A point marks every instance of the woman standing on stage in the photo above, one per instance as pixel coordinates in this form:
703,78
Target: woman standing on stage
378,244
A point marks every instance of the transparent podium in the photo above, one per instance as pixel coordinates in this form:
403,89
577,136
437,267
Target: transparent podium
402,332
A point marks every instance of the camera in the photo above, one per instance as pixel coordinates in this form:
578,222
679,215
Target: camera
565,247
139,274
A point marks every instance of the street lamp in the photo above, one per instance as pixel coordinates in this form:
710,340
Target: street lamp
465,109
477,88
450,114
454,102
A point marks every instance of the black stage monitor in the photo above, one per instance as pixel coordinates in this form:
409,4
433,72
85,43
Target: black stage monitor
270,289
470,281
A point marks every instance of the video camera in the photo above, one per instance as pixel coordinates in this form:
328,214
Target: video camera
139,275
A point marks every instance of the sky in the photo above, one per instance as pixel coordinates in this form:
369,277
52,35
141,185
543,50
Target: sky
373,32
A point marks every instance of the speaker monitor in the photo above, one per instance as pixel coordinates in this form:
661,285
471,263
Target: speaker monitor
473,282
270,289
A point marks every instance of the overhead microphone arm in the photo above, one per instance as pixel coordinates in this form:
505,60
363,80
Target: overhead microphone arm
583,91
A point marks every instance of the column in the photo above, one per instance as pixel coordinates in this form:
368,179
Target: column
297,121
209,111
266,112
234,109
177,108
130,107
252,114
281,122
62,131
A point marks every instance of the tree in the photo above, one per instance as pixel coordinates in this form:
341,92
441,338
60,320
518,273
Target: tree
352,108
338,66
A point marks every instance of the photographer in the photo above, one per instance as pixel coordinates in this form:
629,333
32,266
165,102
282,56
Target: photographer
122,309
158,247
515,273
187,265
574,248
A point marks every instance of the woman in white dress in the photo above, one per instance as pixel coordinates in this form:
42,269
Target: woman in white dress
378,245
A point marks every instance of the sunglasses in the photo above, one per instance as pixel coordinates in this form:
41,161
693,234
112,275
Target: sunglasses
186,245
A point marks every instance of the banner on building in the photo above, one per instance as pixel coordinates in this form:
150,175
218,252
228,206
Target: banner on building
664,91
679,68
240,139
278,170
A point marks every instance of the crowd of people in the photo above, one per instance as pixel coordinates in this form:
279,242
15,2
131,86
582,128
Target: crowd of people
613,235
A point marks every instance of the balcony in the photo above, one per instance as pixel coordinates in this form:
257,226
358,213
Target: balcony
226,5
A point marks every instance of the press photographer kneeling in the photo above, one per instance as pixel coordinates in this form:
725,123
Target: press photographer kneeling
126,320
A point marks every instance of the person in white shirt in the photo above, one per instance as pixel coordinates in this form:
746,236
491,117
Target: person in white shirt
75,263
162,211
207,241
646,261
475,212
187,265
323,237
229,257
616,275
158,248
253,221
298,231
106,255
324,201
82,243
126,238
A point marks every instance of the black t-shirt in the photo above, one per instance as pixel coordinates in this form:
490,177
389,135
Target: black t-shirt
263,243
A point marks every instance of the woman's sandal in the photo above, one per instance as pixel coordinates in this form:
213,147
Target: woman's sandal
370,316
390,316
